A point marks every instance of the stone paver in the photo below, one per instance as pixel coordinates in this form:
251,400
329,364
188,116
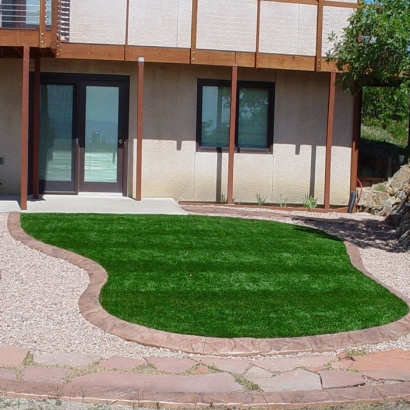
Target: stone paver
123,363
391,360
292,363
387,375
294,380
217,382
171,364
255,373
12,356
72,360
332,379
44,375
228,365
7,374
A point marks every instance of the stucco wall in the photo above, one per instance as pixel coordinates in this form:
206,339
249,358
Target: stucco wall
334,20
173,167
104,24
10,125
288,28
227,25
162,24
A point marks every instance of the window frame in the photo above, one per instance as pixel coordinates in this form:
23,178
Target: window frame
269,86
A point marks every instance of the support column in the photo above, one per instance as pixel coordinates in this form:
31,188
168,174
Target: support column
36,129
140,115
329,136
232,132
357,114
24,128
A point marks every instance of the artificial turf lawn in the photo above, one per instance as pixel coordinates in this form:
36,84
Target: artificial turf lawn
222,277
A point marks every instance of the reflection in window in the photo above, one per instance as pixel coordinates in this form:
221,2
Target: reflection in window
254,114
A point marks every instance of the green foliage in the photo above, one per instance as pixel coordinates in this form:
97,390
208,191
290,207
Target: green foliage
222,277
282,201
309,201
374,47
260,199
385,114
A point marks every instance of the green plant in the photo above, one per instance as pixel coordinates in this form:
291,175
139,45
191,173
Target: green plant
260,199
282,201
309,202
223,199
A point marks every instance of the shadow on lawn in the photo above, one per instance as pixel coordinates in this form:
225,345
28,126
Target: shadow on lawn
363,233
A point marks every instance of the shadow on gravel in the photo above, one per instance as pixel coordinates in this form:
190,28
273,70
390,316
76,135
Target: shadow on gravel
362,233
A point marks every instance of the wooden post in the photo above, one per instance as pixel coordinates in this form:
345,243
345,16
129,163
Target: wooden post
319,34
329,136
357,114
140,117
36,129
232,132
24,128
42,24
194,29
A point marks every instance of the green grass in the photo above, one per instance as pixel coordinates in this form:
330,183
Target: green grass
222,277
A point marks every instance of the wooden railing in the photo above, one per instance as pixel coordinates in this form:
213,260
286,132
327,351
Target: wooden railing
31,22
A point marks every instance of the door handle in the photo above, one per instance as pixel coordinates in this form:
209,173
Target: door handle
120,141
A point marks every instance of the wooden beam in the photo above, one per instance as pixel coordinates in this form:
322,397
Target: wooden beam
329,136
36,129
24,127
258,32
18,37
341,4
140,119
194,29
127,28
158,54
42,25
286,62
319,35
357,114
232,132
91,51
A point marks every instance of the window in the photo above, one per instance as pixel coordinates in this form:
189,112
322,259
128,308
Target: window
23,13
254,116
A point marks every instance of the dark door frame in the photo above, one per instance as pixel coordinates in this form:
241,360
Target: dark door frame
80,82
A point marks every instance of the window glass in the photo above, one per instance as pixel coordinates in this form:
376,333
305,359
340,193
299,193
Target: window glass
253,117
216,105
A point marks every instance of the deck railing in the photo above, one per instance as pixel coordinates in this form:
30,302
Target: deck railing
25,14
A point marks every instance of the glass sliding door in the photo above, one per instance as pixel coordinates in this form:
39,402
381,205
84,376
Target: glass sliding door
102,141
83,128
57,150
101,134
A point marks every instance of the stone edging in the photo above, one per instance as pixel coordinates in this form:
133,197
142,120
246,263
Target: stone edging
91,309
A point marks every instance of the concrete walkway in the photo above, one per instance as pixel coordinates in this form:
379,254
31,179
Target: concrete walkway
321,379
93,203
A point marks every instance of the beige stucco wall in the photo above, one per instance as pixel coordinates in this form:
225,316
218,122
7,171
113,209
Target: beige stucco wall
334,20
102,22
227,25
161,24
288,28
173,167
10,125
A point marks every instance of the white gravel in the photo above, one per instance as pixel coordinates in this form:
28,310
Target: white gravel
39,294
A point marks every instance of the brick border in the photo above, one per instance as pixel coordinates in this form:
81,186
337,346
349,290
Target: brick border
255,399
91,309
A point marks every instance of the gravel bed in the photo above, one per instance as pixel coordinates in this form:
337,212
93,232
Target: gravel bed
39,294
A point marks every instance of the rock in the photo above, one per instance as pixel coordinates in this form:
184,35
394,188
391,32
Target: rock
400,178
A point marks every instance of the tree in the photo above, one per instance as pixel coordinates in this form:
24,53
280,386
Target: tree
375,47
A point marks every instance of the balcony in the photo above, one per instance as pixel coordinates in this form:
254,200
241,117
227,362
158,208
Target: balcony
30,22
